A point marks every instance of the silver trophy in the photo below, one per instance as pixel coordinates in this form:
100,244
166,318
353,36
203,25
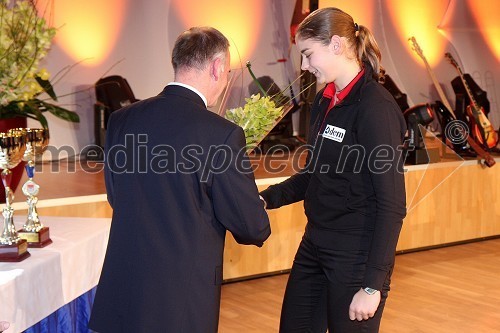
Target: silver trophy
12,148
37,140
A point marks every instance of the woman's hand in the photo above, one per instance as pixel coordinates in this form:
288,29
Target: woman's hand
363,306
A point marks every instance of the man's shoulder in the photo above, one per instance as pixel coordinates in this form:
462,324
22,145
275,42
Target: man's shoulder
180,110
220,121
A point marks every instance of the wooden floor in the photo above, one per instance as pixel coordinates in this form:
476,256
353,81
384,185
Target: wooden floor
447,290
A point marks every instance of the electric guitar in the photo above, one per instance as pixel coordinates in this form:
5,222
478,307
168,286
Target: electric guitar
488,160
483,130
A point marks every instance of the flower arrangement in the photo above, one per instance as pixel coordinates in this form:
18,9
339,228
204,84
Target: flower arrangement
260,114
25,39
257,117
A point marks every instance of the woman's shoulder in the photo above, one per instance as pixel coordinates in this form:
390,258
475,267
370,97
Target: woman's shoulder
377,103
376,96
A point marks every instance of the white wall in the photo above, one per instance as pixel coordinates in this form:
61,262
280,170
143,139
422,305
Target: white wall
149,31
142,55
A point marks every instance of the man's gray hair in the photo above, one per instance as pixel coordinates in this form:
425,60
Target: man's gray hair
195,47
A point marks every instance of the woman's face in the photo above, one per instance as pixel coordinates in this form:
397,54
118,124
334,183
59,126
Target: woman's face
319,59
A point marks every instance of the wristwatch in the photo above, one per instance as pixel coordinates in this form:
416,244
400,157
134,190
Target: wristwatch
370,291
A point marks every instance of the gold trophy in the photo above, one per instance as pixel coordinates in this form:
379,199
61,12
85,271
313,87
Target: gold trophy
33,230
12,147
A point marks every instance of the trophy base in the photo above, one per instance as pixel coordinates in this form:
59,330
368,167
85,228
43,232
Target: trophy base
15,252
36,239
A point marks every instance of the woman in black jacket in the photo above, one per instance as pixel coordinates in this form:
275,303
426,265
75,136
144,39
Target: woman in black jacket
352,185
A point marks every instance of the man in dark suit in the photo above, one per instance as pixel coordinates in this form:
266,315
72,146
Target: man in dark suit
177,177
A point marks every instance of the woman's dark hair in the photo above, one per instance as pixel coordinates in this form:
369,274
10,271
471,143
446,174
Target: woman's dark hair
195,47
324,23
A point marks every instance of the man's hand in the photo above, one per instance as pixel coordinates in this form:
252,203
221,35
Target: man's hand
363,306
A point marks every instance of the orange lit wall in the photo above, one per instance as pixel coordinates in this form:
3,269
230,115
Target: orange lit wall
239,20
486,16
420,19
88,29
362,11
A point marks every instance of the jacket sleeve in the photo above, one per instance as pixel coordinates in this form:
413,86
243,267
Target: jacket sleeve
235,197
381,131
287,192
294,188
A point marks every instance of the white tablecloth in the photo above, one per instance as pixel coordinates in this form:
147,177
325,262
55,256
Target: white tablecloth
53,276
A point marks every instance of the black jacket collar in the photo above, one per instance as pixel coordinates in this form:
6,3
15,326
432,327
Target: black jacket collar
183,92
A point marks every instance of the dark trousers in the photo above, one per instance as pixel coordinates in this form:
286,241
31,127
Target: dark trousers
320,289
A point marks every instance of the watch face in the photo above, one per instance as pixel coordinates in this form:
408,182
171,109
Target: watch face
370,291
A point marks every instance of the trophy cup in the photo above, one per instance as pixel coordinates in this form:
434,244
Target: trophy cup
12,247
33,230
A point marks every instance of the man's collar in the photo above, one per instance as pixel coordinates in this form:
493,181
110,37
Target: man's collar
193,89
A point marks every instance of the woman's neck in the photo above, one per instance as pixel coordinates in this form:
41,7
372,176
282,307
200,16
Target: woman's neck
351,69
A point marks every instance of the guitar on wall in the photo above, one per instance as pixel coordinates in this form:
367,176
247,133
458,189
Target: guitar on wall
484,132
488,160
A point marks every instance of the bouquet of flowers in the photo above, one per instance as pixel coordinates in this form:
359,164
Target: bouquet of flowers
257,117
25,39
260,114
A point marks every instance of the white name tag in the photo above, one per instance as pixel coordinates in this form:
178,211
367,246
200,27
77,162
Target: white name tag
334,133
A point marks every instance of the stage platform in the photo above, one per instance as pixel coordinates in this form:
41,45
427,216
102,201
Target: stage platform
448,202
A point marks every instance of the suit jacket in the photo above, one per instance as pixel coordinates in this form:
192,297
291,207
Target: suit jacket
177,178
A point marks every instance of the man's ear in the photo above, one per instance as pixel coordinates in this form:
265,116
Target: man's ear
215,68
336,44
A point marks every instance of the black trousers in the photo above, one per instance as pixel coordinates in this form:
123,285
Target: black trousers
320,289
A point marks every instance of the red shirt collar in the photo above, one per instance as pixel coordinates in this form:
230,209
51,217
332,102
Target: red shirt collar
330,90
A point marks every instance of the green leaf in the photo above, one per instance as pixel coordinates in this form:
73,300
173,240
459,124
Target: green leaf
249,66
32,110
47,87
59,112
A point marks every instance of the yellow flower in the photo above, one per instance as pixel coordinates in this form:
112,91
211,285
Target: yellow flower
25,38
44,74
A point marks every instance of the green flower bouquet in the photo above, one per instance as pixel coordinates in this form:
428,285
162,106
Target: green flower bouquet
25,39
260,114
257,117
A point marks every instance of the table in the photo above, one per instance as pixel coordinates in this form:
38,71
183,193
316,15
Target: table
53,276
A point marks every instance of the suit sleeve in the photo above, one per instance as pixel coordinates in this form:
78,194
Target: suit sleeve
235,197
381,131
109,162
